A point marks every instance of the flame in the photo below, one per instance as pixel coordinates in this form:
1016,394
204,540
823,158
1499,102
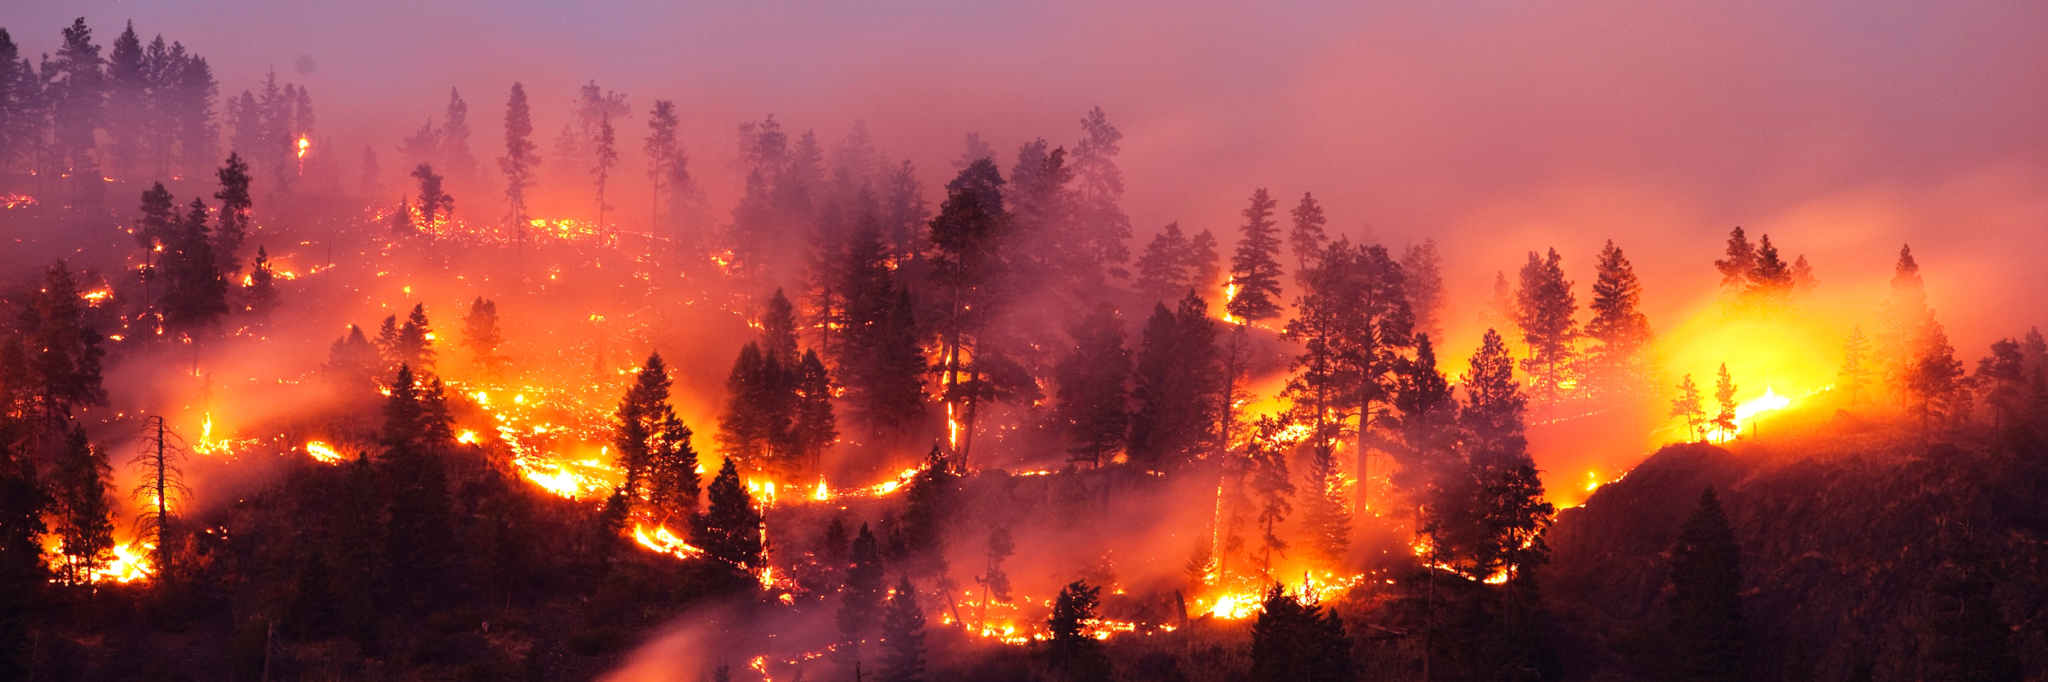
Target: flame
665,542
1745,414
1230,296
467,438
822,493
322,451
303,145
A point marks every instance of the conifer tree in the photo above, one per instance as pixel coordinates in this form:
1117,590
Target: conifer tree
87,530
1308,238
995,582
813,428
605,155
903,636
1492,415
1706,597
518,162
1163,269
233,223
1297,640
1724,399
1933,387
966,263
1178,388
1741,261
778,330
195,290
160,492
1266,458
1254,272
1099,219
1689,406
652,444
729,531
1326,514
436,207
1204,266
455,155
1904,324
919,542
1544,310
860,602
1094,393
755,426
262,286
127,80
481,335
62,352
1422,268
878,360
662,152
1622,333
421,533
1073,654
1428,425
77,103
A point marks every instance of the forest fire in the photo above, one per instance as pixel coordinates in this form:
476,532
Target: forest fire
565,384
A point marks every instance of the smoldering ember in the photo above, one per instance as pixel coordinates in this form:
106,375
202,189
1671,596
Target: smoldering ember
1014,341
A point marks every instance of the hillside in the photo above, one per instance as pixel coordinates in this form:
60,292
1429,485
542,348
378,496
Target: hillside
1840,530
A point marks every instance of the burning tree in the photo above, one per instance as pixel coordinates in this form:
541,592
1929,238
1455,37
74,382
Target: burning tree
161,490
1254,271
87,527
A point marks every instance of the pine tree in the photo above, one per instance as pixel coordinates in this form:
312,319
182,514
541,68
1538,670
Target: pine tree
1422,267
1706,625
778,330
1740,264
729,531
127,80
1308,238
195,290
903,636
262,286
1494,403
878,359
605,155
1293,640
860,602
1094,393
1254,272
995,582
15,98
63,352
421,534
1544,310
161,491
1428,425
1099,220
233,224
1724,398
481,335
518,162
1326,516
813,427
755,426
436,207
966,263
1178,388
1690,407
919,542
1934,386
1904,325
1073,654
1162,270
1616,365
77,104
87,528
672,478
641,425
455,154
662,152
1204,266
1266,459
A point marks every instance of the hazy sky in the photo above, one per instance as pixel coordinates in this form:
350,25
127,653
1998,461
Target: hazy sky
1842,128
